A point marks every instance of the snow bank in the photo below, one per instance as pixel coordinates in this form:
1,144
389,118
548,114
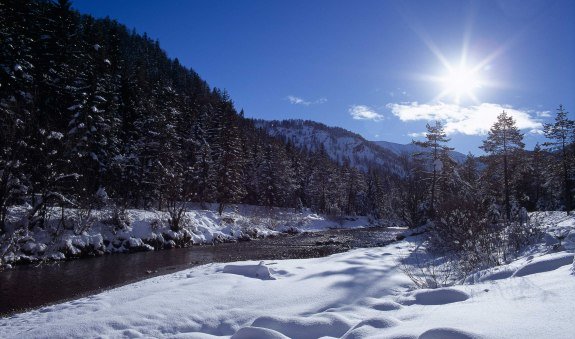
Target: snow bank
260,271
439,296
359,294
314,326
371,327
544,264
140,230
447,333
257,332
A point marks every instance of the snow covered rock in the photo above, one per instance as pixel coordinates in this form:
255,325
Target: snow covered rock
257,332
315,326
447,333
439,296
545,263
494,273
371,327
260,271
30,248
380,305
57,256
136,244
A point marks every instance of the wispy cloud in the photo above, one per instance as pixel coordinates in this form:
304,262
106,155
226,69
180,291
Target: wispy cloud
297,100
417,134
362,112
300,101
544,114
469,120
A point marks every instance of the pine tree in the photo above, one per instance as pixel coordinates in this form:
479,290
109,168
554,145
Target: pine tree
437,158
562,132
469,170
504,140
16,98
228,158
411,196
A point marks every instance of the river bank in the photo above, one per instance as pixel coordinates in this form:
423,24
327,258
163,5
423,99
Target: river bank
66,280
73,233
362,293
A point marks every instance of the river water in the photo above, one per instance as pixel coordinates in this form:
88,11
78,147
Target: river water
28,287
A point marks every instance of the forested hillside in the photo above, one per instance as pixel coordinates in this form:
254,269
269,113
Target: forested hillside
93,114
412,148
339,144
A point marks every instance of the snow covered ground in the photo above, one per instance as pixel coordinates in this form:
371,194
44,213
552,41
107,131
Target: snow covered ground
148,230
359,294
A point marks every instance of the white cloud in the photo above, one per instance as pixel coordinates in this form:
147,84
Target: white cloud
417,134
297,100
469,120
362,112
300,101
544,114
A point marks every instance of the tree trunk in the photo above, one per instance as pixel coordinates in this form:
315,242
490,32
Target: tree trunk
507,204
566,186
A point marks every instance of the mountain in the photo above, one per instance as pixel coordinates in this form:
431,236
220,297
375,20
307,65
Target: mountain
339,144
95,114
342,145
400,149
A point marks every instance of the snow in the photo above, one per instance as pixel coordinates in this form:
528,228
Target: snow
440,296
359,294
411,148
337,143
260,271
55,135
544,264
141,230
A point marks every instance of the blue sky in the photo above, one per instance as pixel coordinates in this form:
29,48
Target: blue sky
382,69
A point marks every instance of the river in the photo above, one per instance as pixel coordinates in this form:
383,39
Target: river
28,287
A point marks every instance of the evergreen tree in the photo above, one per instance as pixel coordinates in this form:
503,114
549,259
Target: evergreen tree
412,197
503,142
469,170
16,99
437,159
562,134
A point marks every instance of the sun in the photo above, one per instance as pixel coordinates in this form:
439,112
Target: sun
460,82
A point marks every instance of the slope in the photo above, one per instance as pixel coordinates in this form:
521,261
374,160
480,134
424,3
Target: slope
339,144
409,149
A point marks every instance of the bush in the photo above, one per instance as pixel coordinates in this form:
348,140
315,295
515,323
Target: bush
470,236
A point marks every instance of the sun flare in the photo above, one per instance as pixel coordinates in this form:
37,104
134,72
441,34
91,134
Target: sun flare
460,82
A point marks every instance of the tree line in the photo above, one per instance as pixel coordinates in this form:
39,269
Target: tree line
479,210
93,114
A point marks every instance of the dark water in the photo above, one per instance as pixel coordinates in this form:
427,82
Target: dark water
27,287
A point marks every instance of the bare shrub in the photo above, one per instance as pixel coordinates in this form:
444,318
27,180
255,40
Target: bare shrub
155,225
477,236
176,212
8,242
83,219
429,270
119,219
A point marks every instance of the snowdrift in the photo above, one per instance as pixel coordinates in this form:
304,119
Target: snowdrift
359,294
142,230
